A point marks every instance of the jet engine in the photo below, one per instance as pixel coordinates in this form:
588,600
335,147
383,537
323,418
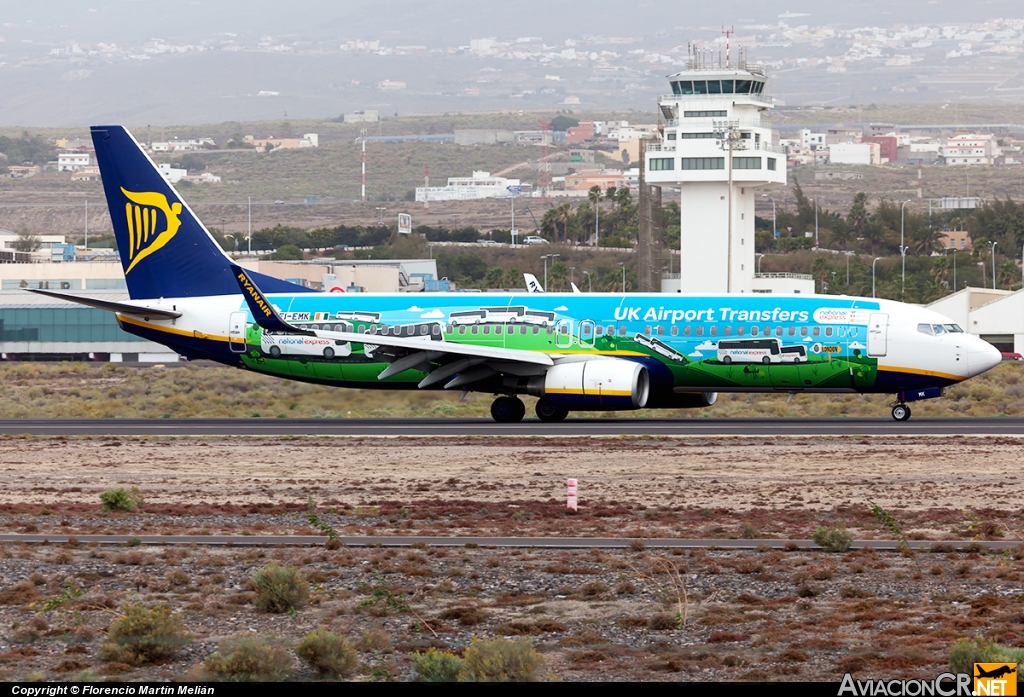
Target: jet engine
595,385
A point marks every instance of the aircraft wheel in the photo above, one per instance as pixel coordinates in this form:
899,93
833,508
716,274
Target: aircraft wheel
508,410
328,353
727,360
275,351
901,412
550,413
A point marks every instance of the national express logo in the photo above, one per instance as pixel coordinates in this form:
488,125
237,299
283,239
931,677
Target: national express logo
152,222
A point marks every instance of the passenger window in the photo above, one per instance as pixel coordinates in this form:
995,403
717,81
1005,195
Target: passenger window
611,330
727,331
686,330
475,329
522,330
449,329
661,330
599,330
803,331
436,330
792,331
647,330
767,331
497,330
674,331
740,331
423,330
551,330
714,330
487,329
700,331
828,331
622,330
778,331
536,330
817,331
753,331
462,329
925,329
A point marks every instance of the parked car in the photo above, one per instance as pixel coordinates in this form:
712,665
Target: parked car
1007,356
534,239
486,241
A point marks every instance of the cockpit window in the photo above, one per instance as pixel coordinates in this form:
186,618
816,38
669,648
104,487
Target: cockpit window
925,329
954,328
938,329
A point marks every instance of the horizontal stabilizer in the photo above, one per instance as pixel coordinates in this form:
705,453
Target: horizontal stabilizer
123,308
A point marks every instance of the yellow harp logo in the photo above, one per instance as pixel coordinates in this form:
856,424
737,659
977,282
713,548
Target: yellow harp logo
144,211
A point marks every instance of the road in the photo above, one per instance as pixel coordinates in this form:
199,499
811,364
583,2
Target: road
879,426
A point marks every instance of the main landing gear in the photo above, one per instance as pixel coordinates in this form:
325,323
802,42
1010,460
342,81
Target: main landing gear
550,413
508,410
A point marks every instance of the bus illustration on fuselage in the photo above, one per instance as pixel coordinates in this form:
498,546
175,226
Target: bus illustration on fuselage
794,354
277,344
660,347
515,314
750,351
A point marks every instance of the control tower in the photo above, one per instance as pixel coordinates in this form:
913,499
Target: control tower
718,151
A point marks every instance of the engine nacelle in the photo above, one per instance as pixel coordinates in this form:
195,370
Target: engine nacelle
597,385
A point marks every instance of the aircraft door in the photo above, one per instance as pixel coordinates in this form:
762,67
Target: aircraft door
878,333
236,331
563,333
586,331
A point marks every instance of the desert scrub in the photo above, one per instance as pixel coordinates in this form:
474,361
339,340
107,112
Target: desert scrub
145,635
279,588
327,653
501,660
121,499
248,659
966,652
833,539
436,666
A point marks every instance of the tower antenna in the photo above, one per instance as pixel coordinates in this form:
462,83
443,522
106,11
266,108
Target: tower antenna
728,32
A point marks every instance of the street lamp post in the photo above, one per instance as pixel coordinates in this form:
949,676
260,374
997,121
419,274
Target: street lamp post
903,251
954,269
590,281
572,275
729,138
993,264
775,227
759,258
873,276
545,258
623,265
250,225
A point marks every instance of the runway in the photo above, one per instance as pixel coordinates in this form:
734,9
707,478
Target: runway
586,427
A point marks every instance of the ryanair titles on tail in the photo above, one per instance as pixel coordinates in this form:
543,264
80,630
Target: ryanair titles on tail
251,290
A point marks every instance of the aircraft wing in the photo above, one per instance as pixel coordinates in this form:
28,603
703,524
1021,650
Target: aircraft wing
460,364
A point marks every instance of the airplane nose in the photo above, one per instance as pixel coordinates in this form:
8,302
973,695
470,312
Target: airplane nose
982,356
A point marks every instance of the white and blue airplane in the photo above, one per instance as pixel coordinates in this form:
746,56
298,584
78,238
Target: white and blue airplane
574,351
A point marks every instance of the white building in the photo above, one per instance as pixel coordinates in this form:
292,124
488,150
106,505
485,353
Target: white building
72,161
717,193
480,185
971,149
171,174
997,316
854,154
811,140
182,145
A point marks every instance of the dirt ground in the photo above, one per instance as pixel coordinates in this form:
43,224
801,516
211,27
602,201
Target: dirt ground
637,614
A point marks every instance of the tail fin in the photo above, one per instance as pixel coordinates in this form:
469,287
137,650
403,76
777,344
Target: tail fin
165,251
532,284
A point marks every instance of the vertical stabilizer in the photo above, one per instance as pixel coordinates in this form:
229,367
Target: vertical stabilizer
165,251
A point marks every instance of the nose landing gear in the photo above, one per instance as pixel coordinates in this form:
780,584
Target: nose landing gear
900,412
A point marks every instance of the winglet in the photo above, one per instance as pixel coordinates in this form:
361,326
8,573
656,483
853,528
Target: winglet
263,311
532,284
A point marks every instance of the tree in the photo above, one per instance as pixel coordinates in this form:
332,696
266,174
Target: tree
26,242
563,123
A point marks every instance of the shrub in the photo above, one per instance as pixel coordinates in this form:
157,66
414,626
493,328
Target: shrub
121,499
966,652
249,659
145,635
279,588
327,653
832,539
436,666
501,660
